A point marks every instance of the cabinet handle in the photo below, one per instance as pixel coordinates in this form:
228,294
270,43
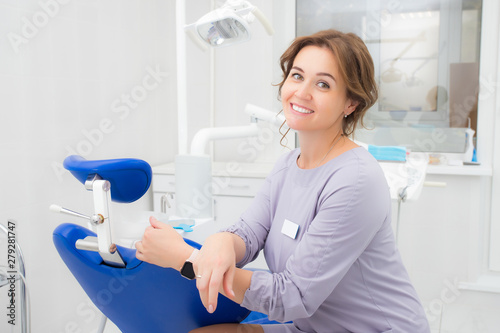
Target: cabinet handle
215,209
239,187
435,184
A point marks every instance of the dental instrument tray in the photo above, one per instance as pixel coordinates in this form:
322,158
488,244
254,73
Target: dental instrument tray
388,153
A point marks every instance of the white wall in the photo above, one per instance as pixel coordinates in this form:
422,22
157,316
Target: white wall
65,67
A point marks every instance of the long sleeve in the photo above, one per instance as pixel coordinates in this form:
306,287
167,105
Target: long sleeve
349,212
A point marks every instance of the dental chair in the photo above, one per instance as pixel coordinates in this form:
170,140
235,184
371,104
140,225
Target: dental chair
136,296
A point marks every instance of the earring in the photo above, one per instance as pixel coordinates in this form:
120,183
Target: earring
345,116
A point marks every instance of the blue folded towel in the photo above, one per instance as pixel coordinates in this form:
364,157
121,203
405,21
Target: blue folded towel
388,153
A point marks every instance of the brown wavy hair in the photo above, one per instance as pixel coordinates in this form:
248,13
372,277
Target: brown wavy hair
355,67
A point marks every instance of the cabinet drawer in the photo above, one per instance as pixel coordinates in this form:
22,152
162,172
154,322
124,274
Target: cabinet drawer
163,183
237,186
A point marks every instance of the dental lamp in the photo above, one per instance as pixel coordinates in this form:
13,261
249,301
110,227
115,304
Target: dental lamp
224,26
227,25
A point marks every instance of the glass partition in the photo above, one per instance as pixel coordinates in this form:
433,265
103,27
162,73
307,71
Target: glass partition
426,56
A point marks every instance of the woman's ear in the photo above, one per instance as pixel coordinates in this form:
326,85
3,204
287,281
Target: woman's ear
350,106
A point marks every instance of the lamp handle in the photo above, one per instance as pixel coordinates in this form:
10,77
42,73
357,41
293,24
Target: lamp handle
192,34
263,19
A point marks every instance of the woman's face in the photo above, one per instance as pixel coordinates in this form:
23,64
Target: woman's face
314,94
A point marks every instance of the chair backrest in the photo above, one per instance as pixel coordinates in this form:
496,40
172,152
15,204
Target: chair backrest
130,178
140,297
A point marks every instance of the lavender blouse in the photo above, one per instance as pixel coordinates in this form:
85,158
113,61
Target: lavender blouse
342,271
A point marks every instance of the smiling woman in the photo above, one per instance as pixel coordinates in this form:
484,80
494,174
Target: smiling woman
327,88
350,68
323,216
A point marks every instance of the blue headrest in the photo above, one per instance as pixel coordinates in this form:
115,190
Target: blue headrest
130,178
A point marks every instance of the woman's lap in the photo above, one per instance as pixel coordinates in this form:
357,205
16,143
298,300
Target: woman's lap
246,328
281,328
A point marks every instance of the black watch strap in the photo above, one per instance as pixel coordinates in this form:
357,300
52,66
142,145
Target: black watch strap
187,270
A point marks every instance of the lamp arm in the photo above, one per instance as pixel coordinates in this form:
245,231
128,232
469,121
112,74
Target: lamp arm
243,7
263,19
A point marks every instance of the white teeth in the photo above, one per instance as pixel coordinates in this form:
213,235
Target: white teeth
301,110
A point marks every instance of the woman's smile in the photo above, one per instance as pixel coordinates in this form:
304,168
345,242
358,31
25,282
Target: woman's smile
300,109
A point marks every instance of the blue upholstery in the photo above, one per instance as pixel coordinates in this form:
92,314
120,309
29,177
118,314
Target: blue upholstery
130,178
141,297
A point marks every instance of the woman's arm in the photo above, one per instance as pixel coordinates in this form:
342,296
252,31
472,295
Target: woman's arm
216,262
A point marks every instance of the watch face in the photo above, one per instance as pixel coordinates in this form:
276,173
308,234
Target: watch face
187,270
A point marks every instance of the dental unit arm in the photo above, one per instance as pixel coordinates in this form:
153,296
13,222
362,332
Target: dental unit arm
193,172
205,135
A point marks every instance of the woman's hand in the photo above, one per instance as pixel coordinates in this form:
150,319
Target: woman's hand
216,265
162,245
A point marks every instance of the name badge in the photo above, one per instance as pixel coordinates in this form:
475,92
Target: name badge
290,229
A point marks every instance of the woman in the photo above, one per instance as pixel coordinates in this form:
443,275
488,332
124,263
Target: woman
323,216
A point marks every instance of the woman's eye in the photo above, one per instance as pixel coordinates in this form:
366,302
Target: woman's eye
297,76
323,85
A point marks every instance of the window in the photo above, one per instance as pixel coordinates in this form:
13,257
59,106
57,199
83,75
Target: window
426,56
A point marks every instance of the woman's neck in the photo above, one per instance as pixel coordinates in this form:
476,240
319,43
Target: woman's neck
318,148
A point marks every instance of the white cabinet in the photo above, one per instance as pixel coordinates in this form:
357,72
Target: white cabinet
232,195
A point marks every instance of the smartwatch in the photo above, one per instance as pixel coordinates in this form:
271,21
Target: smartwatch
187,269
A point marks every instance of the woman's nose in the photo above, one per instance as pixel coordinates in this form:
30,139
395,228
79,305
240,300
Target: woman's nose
303,91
